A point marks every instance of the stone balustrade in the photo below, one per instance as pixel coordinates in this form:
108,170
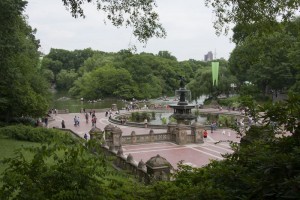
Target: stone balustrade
151,171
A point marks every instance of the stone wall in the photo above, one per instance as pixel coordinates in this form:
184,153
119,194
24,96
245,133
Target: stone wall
151,137
178,133
145,174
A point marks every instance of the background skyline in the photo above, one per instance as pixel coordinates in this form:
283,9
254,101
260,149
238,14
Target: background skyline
189,27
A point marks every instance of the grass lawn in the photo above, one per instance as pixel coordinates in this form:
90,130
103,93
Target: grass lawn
8,147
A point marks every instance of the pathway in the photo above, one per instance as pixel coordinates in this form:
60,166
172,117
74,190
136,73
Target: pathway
195,155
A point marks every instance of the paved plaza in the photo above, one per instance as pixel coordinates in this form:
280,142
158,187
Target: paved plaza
195,155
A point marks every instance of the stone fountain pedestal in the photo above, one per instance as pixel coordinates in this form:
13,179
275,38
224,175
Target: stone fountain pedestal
183,110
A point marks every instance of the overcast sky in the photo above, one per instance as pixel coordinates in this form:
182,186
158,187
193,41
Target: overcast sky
189,26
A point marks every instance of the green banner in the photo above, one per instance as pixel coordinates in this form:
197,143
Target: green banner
215,72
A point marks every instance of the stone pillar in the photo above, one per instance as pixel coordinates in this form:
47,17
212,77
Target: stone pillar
197,131
129,162
112,150
158,168
96,133
108,129
171,127
181,134
117,137
142,172
151,133
122,159
133,137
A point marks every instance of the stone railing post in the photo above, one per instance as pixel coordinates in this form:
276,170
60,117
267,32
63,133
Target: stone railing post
142,171
197,131
119,159
158,168
117,137
171,127
181,134
151,133
133,137
129,160
108,129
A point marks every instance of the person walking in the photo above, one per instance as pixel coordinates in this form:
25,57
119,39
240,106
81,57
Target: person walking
223,132
205,134
75,121
78,121
46,121
63,124
94,121
87,117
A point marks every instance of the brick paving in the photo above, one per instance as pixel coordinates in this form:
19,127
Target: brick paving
195,155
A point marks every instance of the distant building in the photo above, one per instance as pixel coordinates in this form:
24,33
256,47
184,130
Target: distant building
209,56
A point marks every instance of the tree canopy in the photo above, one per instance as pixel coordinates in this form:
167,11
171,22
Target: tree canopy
140,76
139,15
262,13
22,91
267,60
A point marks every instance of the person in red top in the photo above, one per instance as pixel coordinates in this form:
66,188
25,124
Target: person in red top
205,134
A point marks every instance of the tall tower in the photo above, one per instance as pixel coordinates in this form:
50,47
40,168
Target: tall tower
208,56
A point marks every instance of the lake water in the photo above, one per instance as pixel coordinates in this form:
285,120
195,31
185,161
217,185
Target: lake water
62,102
76,105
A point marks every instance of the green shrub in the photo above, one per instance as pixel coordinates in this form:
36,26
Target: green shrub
145,115
153,114
207,101
172,119
23,120
226,120
164,120
197,113
139,117
229,101
39,134
211,117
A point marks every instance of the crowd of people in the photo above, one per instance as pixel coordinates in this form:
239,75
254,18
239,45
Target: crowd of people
90,116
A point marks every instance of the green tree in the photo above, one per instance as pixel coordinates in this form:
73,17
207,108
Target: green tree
262,13
105,81
54,65
166,54
48,74
65,79
73,175
22,91
202,83
139,15
266,60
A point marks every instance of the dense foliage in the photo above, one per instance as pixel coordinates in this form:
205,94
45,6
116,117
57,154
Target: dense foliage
264,14
95,74
22,91
202,83
269,62
139,15
62,167
39,134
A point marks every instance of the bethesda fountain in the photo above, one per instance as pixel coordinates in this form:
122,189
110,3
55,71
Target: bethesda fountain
183,110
